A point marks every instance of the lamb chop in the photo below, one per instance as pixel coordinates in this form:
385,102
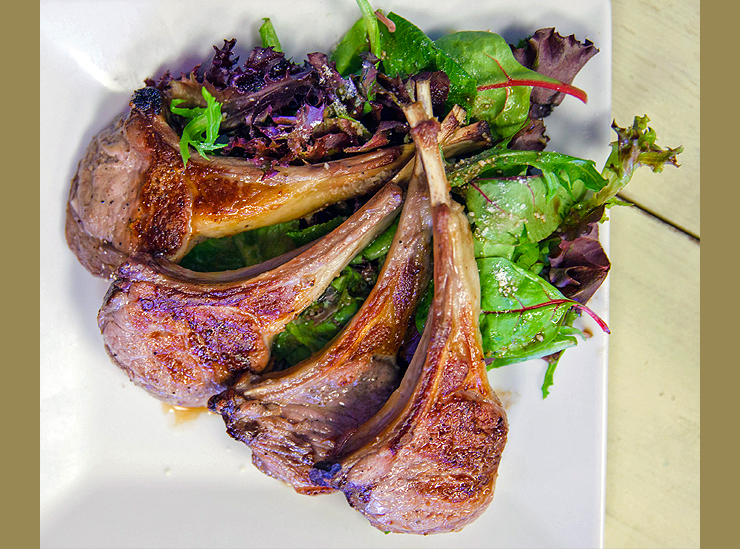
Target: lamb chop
131,192
293,418
184,336
427,462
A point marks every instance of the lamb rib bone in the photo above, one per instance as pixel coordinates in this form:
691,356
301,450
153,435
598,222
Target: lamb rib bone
131,193
184,336
455,139
293,418
427,462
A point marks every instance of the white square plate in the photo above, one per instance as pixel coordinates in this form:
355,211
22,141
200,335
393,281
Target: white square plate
117,470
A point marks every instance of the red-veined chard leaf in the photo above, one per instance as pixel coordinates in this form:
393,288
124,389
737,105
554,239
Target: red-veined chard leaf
558,170
522,315
512,211
485,77
485,56
556,56
407,51
503,84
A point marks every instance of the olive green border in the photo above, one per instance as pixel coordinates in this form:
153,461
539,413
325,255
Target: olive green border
21,145
719,372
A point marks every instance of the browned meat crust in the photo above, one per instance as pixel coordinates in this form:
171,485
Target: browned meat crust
428,461
183,337
132,194
293,419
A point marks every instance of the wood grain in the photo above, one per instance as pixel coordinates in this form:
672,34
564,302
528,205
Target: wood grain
652,491
656,72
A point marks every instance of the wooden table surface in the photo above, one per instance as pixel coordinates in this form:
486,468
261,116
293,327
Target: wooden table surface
652,492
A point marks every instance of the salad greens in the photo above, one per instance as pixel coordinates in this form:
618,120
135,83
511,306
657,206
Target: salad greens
523,315
322,320
534,213
485,78
243,249
370,23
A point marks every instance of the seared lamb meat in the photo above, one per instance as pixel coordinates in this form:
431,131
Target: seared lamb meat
293,418
428,461
184,336
131,192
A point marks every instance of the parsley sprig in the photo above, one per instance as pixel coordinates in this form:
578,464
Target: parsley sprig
202,130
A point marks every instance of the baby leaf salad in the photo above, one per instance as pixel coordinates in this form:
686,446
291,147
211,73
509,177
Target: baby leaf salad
534,213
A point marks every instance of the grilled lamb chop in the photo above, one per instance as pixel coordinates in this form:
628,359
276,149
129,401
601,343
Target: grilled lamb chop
132,194
428,461
184,336
293,418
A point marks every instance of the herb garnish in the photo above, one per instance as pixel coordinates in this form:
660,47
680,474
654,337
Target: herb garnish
202,130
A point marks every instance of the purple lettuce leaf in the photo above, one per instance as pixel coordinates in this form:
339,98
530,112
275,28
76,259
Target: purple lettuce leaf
531,137
580,266
558,57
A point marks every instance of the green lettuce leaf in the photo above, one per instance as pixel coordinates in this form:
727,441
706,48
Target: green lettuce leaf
269,35
408,51
363,36
316,326
346,55
241,250
558,170
522,315
635,147
514,211
372,28
533,256
379,247
309,234
422,310
511,213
